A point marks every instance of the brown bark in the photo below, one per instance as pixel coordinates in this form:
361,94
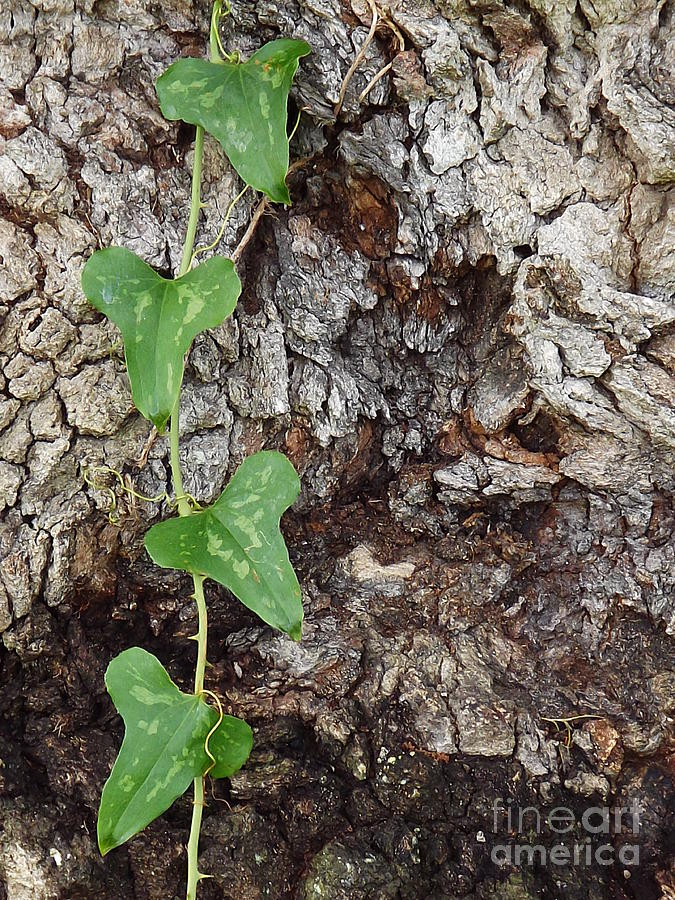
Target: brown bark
462,334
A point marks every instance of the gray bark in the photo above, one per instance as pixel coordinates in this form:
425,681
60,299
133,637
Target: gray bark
463,335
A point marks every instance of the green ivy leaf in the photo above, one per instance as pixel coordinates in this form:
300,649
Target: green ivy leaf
237,541
163,746
158,318
243,105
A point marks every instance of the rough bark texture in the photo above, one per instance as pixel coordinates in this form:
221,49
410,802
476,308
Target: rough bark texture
463,335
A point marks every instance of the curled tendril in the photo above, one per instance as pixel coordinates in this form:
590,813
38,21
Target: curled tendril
215,728
221,9
564,722
90,478
185,496
113,518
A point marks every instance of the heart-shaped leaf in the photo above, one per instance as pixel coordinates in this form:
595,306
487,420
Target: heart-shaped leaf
237,541
243,105
158,318
163,747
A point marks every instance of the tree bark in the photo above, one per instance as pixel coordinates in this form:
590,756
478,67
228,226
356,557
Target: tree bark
462,333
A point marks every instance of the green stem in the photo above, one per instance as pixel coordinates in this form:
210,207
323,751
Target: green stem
195,202
193,842
188,247
201,633
184,509
198,801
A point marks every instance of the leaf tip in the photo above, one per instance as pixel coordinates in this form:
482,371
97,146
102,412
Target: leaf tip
149,542
105,843
280,194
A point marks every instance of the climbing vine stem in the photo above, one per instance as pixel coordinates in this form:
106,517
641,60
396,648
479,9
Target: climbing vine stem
184,508
173,739
198,800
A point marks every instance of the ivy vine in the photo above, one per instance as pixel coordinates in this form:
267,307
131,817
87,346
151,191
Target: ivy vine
174,738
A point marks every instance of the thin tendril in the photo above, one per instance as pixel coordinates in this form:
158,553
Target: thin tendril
220,234
107,470
221,15
221,9
213,730
113,518
185,496
565,720
297,123
89,476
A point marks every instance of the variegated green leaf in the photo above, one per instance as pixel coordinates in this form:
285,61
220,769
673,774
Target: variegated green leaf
237,541
163,748
158,318
243,105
